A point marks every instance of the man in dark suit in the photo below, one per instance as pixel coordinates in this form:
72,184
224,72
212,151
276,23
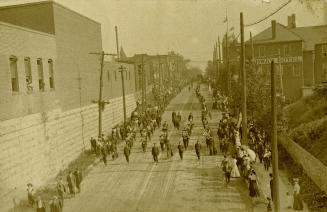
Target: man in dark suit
180,150
197,148
127,152
155,153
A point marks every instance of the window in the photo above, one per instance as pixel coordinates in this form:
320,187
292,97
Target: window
115,76
287,50
287,70
40,72
14,74
324,50
129,75
28,74
296,70
324,71
262,51
51,74
108,72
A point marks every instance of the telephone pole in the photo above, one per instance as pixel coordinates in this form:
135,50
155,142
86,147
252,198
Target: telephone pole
227,65
122,69
242,65
274,140
100,102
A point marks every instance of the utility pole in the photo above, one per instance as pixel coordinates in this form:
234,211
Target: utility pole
242,65
219,59
274,141
227,66
117,46
122,70
100,102
159,75
280,74
143,80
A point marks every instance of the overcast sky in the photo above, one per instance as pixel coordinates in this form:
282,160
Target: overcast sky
189,27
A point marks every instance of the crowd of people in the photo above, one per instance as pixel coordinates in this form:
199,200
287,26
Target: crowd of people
239,160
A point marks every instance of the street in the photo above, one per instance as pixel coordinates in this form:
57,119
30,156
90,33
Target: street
173,184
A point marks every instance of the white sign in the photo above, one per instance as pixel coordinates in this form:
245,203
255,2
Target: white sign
276,60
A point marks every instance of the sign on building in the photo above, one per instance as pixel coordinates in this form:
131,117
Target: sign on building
261,61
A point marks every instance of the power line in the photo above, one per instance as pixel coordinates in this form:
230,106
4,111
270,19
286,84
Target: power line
268,16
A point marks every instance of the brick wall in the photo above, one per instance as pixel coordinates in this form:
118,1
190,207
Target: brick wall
36,147
21,43
76,37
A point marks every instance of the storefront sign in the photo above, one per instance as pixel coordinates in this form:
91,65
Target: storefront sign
260,61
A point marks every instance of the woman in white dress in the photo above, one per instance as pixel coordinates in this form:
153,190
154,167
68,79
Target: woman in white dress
235,172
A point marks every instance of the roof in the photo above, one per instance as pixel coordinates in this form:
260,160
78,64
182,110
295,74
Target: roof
282,35
310,35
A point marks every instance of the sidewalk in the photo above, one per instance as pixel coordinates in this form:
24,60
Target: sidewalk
284,186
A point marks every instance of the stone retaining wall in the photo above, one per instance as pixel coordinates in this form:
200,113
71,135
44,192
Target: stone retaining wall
36,147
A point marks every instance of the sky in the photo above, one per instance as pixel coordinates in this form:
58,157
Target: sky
188,27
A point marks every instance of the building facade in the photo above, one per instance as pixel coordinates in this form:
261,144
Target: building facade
293,50
48,82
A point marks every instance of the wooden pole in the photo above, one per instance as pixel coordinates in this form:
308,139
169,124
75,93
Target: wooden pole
100,95
274,141
242,65
122,70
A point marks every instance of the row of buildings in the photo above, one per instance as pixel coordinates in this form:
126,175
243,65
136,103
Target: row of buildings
300,55
49,80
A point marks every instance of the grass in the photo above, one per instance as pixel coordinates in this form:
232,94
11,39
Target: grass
82,162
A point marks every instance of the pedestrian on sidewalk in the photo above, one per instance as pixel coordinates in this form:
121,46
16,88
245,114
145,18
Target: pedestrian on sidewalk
197,148
235,173
71,183
78,179
127,152
40,205
253,186
155,153
269,206
104,155
30,194
180,150
61,189
297,204
55,205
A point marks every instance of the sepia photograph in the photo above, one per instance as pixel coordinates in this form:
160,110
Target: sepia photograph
163,105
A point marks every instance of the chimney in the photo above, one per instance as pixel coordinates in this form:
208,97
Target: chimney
293,21
273,29
289,22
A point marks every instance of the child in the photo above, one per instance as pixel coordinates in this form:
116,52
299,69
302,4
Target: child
269,206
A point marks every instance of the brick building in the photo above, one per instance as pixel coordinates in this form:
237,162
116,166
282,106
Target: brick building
48,83
293,50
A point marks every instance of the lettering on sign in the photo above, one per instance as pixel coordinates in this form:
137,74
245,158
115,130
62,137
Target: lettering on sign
260,61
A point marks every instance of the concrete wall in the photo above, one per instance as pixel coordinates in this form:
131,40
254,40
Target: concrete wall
316,170
36,147
21,42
